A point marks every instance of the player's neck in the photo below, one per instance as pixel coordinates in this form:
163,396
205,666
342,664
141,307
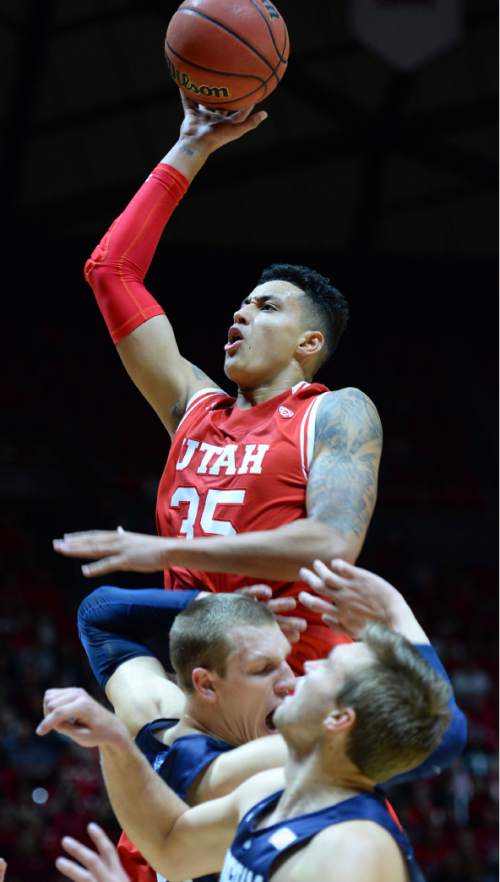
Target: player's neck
251,395
194,721
312,785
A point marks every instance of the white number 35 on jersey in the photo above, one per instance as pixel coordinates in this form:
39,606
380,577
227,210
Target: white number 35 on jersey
195,505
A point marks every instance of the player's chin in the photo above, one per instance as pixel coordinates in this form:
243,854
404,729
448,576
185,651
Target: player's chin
235,370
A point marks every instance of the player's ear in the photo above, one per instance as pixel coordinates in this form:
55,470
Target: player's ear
203,682
340,720
310,344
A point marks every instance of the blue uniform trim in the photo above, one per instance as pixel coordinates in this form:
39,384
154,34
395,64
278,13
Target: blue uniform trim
453,740
181,762
256,850
117,624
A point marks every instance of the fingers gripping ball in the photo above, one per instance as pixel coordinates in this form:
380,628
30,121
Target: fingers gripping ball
227,54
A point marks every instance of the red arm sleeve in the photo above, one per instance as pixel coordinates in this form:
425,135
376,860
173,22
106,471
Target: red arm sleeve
117,267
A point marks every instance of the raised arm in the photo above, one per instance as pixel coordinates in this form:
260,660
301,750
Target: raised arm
116,269
126,637
341,494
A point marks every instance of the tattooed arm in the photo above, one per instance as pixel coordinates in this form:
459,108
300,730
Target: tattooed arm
341,495
342,487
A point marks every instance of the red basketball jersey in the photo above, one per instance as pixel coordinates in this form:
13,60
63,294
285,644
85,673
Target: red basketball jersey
232,471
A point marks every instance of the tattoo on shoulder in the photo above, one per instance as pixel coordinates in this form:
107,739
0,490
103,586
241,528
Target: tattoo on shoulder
342,487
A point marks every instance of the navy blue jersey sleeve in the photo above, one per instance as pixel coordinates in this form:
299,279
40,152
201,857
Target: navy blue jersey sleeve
453,740
117,624
188,757
179,763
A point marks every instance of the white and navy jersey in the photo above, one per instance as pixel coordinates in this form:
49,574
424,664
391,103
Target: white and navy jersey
181,762
178,764
254,853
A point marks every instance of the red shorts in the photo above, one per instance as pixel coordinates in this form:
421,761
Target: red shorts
132,861
317,642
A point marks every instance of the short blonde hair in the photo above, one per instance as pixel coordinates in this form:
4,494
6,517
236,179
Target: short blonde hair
401,705
201,633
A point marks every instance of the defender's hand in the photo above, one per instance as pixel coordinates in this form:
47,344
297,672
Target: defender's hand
74,713
101,865
355,596
210,129
292,626
116,550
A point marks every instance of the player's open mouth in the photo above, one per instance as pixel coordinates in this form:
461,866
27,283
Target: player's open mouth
232,347
269,724
234,339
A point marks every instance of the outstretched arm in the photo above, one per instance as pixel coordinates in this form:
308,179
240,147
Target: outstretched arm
177,841
341,495
352,598
116,269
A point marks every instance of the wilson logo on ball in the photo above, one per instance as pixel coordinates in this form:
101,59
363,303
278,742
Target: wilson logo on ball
270,9
183,79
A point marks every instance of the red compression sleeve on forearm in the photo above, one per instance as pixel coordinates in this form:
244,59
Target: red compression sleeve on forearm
117,267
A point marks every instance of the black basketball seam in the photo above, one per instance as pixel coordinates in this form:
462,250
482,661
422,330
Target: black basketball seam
269,28
228,30
223,73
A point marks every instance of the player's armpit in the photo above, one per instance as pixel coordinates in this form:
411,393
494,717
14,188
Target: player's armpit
231,769
342,485
140,692
167,380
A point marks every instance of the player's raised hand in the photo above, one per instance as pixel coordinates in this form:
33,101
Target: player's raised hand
74,713
212,129
292,626
116,550
354,596
101,865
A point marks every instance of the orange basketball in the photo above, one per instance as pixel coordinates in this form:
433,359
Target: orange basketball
227,54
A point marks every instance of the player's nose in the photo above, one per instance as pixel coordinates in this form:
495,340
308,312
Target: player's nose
240,317
285,685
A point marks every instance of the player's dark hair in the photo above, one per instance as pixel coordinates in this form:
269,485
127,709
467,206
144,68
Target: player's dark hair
201,634
328,308
401,705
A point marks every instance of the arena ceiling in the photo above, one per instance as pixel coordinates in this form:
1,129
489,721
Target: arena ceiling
355,157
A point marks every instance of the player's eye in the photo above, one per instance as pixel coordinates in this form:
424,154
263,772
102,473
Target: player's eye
267,669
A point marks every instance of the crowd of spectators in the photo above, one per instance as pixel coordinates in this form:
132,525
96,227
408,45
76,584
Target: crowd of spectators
50,787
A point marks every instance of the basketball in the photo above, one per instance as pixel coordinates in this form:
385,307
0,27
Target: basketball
227,54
